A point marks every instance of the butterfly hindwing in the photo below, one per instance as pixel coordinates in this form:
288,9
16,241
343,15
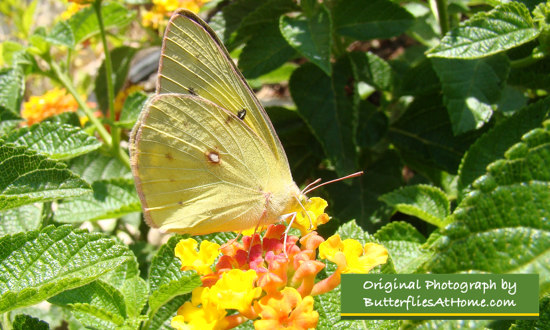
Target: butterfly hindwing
198,167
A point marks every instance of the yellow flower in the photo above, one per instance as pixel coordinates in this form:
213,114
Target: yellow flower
235,290
123,95
358,259
315,216
53,102
200,261
191,316
162,10
286,310
166,5
71,10
153,18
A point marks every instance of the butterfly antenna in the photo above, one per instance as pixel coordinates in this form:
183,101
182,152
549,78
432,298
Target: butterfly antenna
311,184
356,174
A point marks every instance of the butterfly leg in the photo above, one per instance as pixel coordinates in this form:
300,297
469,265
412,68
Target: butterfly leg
293,215
264,214
231,242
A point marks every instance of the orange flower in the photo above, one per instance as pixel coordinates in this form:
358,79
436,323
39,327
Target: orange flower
53,102
286,310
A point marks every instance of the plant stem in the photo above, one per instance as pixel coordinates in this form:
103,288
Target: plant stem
534,57
115,131
67,83
443,16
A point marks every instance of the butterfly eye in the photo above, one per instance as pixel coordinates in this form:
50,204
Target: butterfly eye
241,114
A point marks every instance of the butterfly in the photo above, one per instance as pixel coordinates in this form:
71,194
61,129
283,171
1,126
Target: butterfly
204,154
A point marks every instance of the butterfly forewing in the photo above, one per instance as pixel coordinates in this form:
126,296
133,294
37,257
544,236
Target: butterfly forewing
195,62
199,168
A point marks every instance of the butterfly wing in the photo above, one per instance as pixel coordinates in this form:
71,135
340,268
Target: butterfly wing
200,169
194,61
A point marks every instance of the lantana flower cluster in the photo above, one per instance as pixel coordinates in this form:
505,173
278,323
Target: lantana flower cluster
163,9
51,103
268,280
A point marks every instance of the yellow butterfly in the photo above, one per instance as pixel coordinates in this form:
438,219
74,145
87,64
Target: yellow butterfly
204,153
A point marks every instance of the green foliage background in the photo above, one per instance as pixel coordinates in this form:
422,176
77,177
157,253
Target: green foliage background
445,108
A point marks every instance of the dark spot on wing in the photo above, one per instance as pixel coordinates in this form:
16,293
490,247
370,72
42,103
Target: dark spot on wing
213,157
192,91
169,156
241,114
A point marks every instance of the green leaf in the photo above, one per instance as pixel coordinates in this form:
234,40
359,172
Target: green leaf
65,118
399,231
359,200
492,145
38,265
373,70
310,36
84,23
12,86
428,203
253,17
265,52
502,231
162,318
404,244
56,141
228,20
329,106
470,88
96,166
533,76
501,226
97,304
487,33
26,322
110,199
373,125
24,218
62,34
120,60
409,84
8,121
424,133
166,279
302,149
53,315
175,288
374,19
29,177
511,100
131,109
542,321
135,293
